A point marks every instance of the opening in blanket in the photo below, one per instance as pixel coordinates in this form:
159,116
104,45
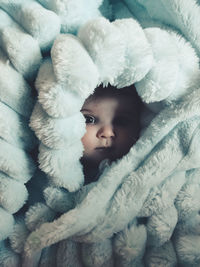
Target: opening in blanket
112,118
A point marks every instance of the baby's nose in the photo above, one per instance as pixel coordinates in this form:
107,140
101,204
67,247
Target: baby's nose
106,131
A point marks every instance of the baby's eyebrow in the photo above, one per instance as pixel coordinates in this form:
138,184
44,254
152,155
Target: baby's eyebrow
125,112
84,109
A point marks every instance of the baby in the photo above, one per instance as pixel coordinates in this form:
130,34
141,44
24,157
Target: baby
112,126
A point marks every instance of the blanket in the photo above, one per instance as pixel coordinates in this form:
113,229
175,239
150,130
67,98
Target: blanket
144,208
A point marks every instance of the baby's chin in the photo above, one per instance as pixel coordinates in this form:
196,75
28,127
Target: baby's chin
91,161
94,158
94,162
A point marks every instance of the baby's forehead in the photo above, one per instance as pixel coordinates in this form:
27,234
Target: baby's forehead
120,103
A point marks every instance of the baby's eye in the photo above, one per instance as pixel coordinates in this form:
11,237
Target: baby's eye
89,119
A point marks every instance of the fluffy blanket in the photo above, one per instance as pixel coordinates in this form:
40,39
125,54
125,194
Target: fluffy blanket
144,209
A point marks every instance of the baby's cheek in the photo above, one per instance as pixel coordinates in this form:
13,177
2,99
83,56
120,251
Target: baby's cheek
127,139
85,141
132,133
88,139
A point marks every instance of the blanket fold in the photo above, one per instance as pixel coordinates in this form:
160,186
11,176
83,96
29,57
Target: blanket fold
42,24
12,39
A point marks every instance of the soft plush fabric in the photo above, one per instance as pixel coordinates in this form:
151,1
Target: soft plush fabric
144,208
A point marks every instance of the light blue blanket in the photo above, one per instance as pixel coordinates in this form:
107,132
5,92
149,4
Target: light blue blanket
153,44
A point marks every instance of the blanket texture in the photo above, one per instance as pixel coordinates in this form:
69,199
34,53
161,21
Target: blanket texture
144,209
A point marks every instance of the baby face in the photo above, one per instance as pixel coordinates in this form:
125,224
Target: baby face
112,127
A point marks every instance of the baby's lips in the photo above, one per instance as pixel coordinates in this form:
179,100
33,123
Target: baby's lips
104,148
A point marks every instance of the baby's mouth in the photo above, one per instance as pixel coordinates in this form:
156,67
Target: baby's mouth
104,148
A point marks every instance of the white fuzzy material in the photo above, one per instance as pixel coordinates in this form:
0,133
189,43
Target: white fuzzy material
181,14
17,44
55,133
129,245
34,219
54,98
19,235
63,169
68,58
6,224
15,92
114,47
187,202
42,24
15,129
12,203
162,197
175,71
58,199
73,13
160,227
138,50
106,45
15,162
